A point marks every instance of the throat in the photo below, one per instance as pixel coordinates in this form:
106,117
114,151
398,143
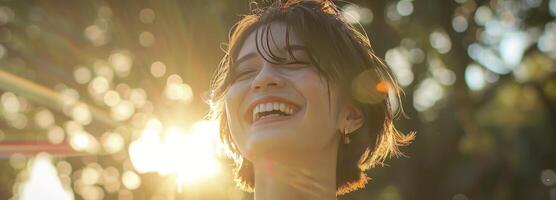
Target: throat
279,180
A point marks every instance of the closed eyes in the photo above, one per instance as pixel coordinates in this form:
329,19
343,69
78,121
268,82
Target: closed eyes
244,74
249,72
297,64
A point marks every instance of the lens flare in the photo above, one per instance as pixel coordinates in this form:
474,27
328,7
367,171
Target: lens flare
187,155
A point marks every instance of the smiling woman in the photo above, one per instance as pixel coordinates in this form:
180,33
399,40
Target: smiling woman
304,103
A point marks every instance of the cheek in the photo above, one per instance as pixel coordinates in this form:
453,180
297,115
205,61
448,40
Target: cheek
321,114
234,97
314,87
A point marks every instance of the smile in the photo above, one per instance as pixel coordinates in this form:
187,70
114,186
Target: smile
264,110
271,107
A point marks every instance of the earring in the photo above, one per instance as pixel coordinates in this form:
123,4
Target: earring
346,135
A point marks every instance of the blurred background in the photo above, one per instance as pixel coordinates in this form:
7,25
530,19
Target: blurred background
105,99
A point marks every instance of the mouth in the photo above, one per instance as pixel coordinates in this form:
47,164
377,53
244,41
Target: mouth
271,109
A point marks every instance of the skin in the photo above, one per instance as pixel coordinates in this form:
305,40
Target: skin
295,157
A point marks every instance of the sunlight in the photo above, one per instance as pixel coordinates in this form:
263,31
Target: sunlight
43,182
187,155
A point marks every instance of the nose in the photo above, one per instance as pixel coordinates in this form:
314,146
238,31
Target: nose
267,78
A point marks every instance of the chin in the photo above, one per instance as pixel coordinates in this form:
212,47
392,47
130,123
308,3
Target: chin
269,144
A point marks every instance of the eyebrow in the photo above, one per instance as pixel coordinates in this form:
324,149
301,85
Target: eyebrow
251,55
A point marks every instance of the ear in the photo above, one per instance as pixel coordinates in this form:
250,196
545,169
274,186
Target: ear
352,118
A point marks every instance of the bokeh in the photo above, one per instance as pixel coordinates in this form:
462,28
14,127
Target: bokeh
106,99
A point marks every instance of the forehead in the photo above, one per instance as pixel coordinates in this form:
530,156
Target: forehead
269,37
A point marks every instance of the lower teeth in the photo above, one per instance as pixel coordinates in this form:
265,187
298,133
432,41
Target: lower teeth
271,115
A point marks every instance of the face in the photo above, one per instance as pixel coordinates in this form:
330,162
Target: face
280,110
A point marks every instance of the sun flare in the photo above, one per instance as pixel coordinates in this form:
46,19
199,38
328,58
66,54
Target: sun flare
189,155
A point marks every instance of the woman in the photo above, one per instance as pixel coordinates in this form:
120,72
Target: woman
303,103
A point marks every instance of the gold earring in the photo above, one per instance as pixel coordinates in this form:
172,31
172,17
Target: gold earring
346,136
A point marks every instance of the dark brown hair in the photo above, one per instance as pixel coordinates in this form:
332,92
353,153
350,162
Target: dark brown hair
342,55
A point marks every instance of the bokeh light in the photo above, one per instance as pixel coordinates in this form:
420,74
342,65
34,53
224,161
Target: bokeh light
55,134
123,110
147,15
401,66
7,15
404,7
146,39
357,14
158,69
10,102
131,180
475,77
121,62
548,177
112,142
459,23
440,41
82,74
428,93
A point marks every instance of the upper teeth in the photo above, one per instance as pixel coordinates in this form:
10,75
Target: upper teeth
265,107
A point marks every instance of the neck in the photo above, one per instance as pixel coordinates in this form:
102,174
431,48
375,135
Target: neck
310,177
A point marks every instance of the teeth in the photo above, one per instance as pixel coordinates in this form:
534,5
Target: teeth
265,107
256,112
282,107
271,115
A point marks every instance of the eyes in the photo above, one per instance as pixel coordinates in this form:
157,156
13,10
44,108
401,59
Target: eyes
248,72
244,74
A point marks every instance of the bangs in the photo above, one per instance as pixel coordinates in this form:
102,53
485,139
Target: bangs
299,19
265,40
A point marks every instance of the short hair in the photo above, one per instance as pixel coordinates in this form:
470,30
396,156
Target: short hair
341,54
